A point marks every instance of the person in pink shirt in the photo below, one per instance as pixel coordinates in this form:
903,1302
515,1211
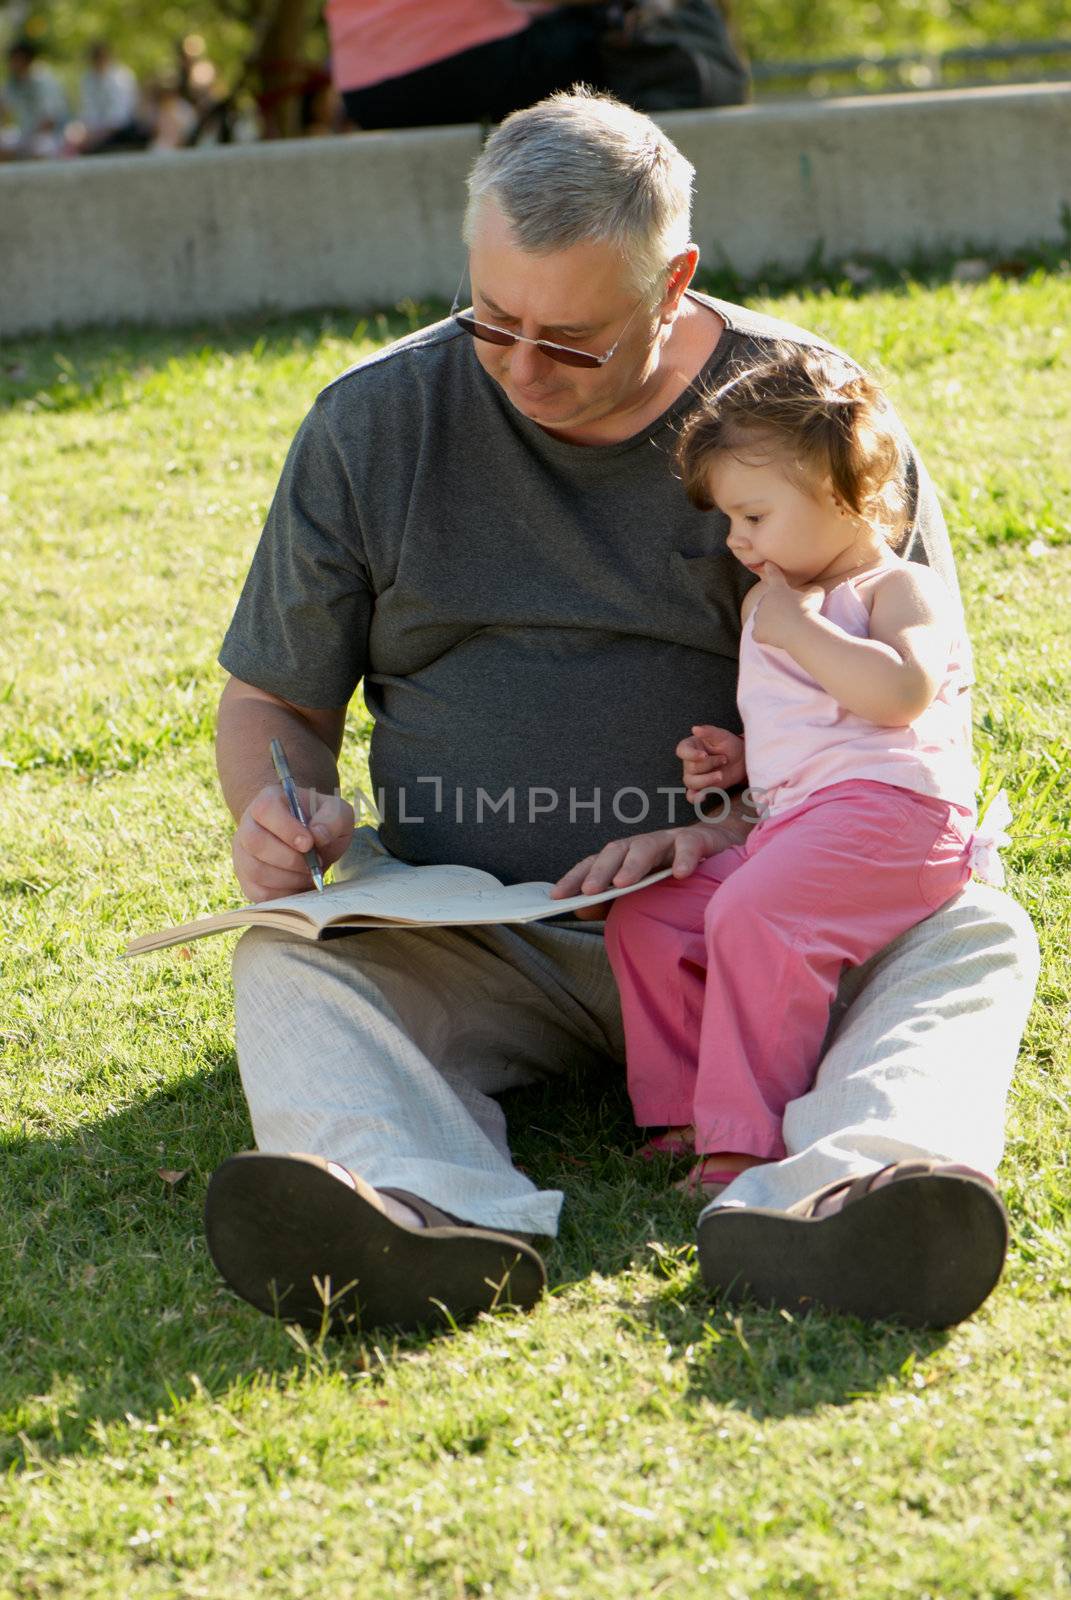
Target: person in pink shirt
852,679
409,63
405,63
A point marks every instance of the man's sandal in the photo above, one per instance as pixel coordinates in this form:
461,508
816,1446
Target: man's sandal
302,1238
924,1249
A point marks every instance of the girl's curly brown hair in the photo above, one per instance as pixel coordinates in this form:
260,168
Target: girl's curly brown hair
827,419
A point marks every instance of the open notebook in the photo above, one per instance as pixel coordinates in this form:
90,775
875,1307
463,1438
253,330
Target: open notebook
389,894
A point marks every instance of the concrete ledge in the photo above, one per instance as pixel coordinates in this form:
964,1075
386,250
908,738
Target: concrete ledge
891,176
368,220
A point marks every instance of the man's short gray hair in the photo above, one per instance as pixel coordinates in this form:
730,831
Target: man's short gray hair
581,167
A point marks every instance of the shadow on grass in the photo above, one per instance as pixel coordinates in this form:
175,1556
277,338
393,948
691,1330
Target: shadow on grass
65,370
112,1306
772,1365
623,1214
110,1302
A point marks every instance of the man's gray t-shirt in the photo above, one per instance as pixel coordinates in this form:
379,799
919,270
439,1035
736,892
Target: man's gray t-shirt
537,623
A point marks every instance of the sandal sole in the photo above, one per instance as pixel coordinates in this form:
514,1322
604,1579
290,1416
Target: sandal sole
278,1226
922,1251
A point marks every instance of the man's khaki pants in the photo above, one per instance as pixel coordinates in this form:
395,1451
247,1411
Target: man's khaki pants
382,1050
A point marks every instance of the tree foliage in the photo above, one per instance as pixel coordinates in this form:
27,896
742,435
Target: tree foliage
792,30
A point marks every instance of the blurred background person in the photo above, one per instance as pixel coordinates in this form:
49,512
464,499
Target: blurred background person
408,63
109,106
322,111
222,115
34,102
671,55
404,63
196,77
172,119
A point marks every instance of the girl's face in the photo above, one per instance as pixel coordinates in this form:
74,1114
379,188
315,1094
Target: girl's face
772,517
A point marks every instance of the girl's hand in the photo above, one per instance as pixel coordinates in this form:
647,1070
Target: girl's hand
713,758
626,861
781,608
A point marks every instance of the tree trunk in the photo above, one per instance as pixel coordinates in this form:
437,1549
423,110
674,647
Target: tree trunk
280,66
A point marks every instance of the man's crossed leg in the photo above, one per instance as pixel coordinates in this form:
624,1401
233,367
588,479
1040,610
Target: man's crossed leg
379,1054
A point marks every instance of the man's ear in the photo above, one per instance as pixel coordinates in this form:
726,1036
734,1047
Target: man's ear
681,272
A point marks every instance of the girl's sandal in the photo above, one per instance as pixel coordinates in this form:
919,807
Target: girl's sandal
675,1142
706,1179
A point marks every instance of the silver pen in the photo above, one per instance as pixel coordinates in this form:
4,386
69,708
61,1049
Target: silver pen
278,756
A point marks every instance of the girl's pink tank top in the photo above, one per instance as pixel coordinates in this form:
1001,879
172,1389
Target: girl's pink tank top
798,739
376,39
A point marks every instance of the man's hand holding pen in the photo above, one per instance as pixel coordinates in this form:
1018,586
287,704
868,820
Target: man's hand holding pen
269,846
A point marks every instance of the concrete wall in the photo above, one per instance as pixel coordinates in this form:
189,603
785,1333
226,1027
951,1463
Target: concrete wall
367,220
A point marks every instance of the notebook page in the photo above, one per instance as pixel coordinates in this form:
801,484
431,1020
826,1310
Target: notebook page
390,888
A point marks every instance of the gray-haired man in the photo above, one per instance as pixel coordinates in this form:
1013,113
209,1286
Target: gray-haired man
480,522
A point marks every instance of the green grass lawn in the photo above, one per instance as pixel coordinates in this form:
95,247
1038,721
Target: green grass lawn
630,1437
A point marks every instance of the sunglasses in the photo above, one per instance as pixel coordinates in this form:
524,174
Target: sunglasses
565,353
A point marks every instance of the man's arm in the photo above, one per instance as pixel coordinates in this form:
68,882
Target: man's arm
269,846
297,642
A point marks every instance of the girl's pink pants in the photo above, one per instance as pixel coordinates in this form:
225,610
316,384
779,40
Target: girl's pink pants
727,976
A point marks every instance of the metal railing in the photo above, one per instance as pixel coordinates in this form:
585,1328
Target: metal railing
915,69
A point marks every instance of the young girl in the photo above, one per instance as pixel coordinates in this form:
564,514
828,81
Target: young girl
855,747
